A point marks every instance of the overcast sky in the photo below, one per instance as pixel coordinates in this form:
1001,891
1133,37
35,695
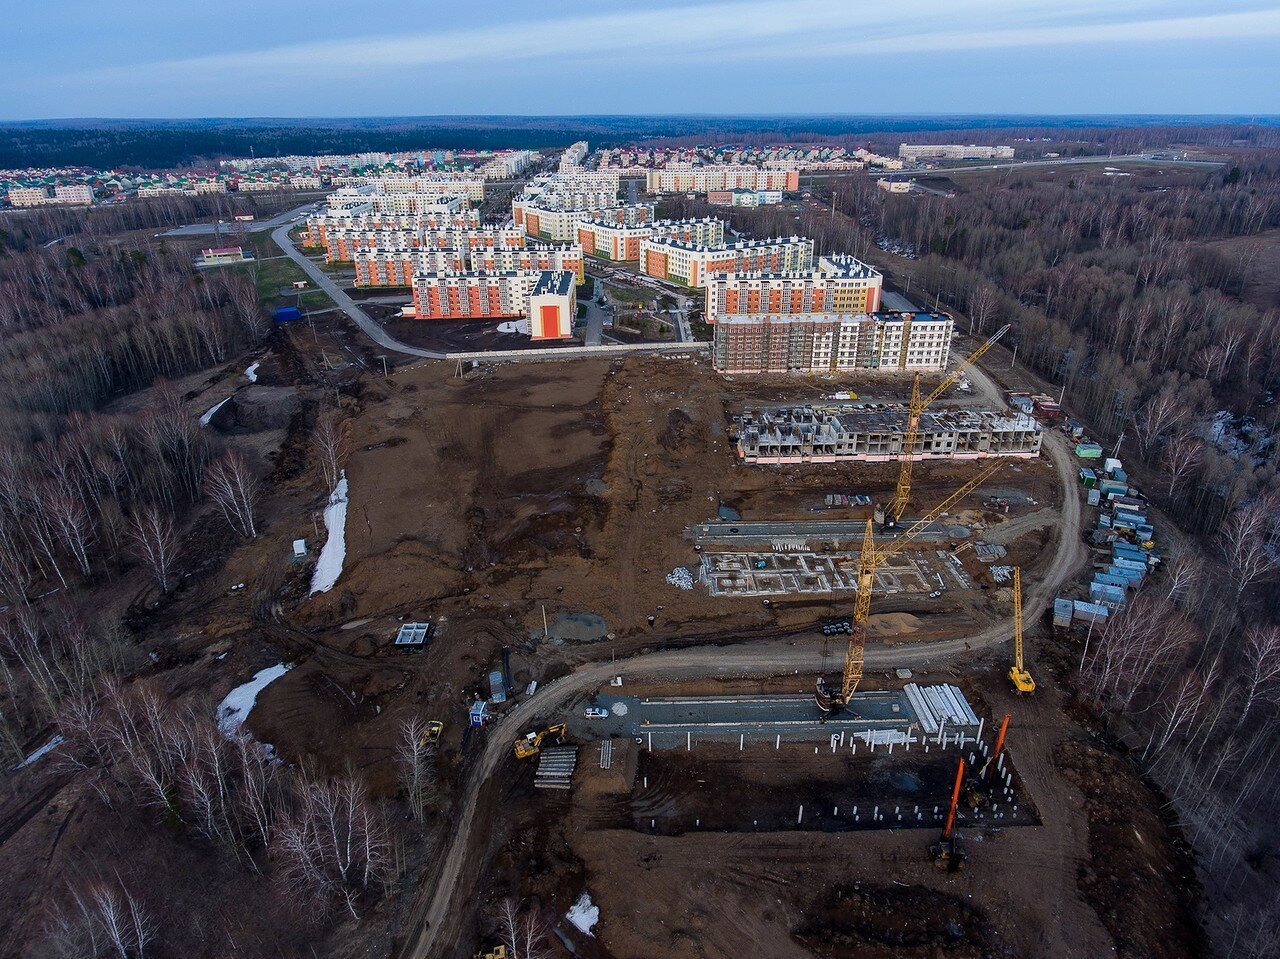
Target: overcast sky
141,58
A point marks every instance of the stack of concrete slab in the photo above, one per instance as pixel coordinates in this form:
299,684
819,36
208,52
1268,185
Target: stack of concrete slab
555,767
935,705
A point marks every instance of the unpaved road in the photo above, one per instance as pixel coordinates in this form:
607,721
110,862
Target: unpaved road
437,912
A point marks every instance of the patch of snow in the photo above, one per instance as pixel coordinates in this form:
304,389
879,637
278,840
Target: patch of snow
329,565
514,326
204,420
252,372
48,747
584,914
236,706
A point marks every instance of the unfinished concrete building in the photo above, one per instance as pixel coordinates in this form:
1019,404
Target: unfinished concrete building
870,435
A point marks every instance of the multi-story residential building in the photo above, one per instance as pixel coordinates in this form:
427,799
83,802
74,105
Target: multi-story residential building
504,166
953,151
701,179
64,194
381,267
816,435
342,245
611,241
572,158
437,184
547,298
28,196
73,193
840,284
566,257
320,225
552,306
209,186
692,264
750,343
549,220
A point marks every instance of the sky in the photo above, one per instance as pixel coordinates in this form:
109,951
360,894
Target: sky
140,58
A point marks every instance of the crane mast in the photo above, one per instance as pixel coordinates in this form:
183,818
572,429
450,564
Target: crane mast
827,698
916,407
1018,674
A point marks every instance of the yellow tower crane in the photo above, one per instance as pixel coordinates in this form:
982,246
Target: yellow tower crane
1018,675
828,698
912,434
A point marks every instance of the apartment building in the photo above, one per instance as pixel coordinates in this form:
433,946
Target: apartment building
547,298
572,158
25,196
541,257
319,226
504,166
701,179
815,435
840,284
611,241
550,220
343,245
747,198
692,264
64,194
953,151
437,184
398,267
552,306
754,343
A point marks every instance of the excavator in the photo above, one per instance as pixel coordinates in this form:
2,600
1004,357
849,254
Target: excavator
828,697
1023,684
430,734
946,852
530,744
917,407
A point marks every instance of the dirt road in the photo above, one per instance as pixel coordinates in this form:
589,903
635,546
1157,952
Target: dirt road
438,910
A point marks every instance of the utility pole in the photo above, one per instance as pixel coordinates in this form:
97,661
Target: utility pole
383,357
1015,356
1115,453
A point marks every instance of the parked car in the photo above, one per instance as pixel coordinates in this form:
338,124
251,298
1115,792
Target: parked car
595,712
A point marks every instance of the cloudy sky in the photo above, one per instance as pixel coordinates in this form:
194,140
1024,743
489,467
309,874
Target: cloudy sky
141,58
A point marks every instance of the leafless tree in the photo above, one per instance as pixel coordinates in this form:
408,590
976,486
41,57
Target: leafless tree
103,919
1181,455
155,543
1242,540
334,846
72,524
232,485
1261,666
524,933
1163,412
415,762
330,442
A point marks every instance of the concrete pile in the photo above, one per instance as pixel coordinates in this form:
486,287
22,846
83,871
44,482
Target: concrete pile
935,705
555,767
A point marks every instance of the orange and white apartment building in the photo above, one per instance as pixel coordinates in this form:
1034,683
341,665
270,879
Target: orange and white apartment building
556,221
611,241
318,226
566,257
382,267
840,284
547,298
343,245
693,264
750,343
701,179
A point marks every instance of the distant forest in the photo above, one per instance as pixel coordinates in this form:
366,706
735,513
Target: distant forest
160,144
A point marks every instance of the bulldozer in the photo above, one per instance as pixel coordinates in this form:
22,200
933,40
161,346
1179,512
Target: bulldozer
530,744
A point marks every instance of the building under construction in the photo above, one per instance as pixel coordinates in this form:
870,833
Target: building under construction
871,435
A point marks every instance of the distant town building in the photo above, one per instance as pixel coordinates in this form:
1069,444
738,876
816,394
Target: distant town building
572,157
747,198
894,186
64,194
703,179
222,255
753,343
953,151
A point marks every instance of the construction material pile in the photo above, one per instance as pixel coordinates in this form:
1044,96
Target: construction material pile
555,767
935,705
681,578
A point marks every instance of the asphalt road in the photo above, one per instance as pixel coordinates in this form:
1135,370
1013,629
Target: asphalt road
233,227
437,912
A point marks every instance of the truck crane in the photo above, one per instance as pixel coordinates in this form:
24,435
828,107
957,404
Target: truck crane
912,434
1023,684
828,698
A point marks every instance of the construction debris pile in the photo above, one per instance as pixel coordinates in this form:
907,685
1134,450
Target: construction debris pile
936,705
681,578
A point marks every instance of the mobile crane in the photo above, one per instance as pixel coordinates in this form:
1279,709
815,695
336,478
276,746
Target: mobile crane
1023,684
914,411
830,699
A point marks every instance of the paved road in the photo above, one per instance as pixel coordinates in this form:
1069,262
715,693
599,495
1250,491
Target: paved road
379,335
437,913
240,226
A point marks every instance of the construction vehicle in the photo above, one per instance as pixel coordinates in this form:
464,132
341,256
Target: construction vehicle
430,734
1023,684
530,744
497,952
914,411
828,698
946,852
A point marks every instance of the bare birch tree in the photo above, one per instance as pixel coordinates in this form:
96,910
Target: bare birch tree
104,919
1242,540
415,762
330,443
232,486
523,932
155,543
